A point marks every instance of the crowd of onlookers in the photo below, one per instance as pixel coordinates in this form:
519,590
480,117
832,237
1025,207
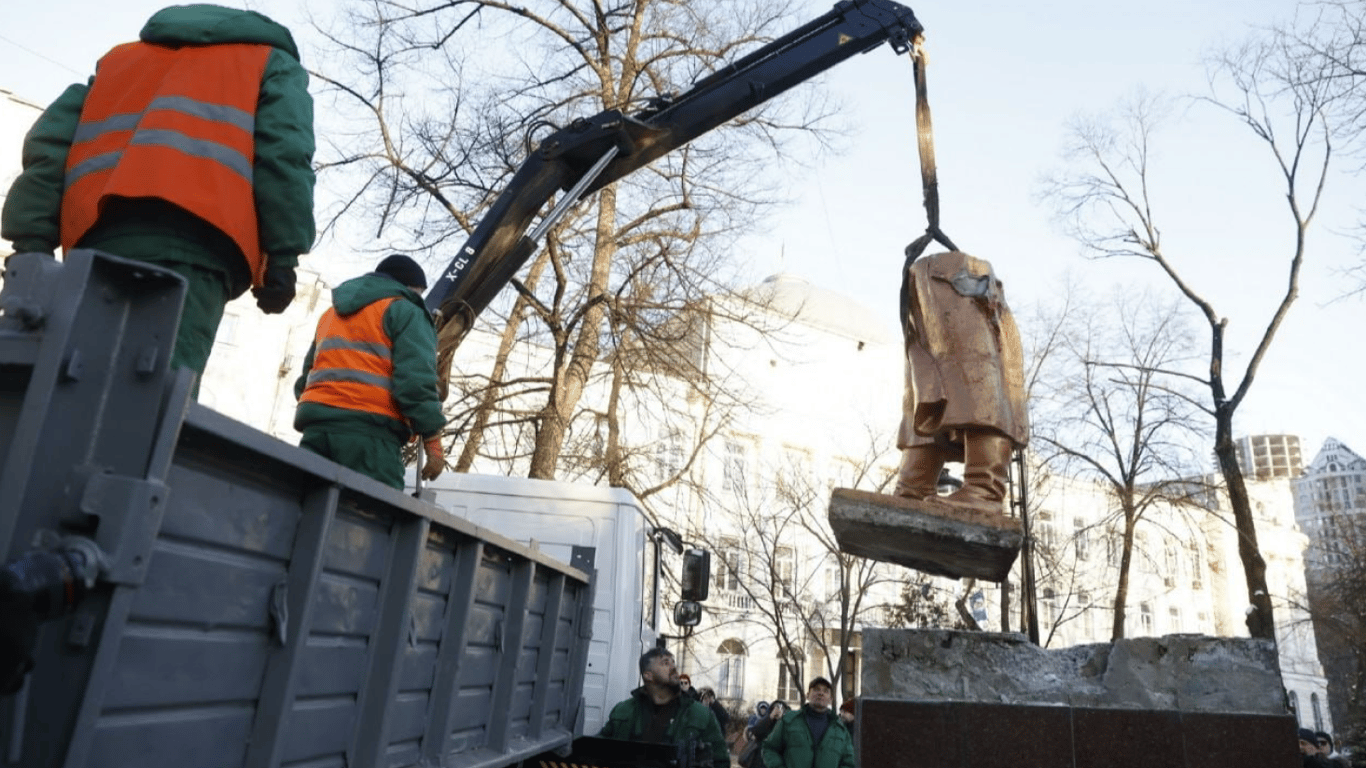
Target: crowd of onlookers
802,737
1317,750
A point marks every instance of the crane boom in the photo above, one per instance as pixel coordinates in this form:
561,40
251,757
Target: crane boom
592,152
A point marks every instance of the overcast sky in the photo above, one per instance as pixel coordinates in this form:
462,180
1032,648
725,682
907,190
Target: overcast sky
1005,77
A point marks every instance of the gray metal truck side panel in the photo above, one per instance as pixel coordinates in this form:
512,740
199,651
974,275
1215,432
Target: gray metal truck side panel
607,520
261,606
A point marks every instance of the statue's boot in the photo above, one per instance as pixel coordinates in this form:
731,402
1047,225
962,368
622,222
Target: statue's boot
986,470
918,477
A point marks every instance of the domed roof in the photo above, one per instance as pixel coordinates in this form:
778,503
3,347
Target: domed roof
823,308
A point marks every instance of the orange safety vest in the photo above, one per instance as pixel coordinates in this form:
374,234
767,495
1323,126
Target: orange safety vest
353,362
176,124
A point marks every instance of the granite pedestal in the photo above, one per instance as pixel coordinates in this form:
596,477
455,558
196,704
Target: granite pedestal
943,699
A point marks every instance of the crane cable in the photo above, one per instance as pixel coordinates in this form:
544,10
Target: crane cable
929,177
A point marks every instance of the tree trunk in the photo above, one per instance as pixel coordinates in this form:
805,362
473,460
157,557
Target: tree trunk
568,383
615,461
1126,559
961,605
1260,622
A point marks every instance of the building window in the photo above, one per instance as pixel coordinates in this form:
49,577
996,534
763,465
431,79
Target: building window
1081,538
1295,706
1197,568
732,562
831,571
1174,619
735,470
731,559
790,676
785,568
731,676
1048,537
1145,618
1318,713
1170,565
668,455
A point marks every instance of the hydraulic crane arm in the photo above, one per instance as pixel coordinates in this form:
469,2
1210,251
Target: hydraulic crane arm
593,152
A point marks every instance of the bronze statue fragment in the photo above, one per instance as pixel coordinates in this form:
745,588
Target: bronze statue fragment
964,398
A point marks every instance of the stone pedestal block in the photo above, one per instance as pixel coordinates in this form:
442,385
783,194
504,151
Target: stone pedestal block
942,699
943,542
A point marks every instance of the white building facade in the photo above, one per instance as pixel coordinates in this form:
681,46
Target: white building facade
1330,507
1331,492
1264,457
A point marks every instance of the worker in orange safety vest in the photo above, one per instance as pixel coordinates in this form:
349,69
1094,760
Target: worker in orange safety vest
172,154
369,380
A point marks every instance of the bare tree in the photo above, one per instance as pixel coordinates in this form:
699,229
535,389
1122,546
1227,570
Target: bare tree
1105,196
1113,404
626,268
781,561
1332,37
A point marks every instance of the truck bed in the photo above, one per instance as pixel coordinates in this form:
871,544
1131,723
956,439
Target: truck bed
258,605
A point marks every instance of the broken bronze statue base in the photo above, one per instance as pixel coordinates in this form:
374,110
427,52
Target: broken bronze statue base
928,536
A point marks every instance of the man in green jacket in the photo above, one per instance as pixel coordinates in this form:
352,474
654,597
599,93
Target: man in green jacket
168,154
810,737
369,380
658,712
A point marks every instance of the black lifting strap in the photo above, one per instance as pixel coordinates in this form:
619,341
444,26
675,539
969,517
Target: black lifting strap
928,175
928,178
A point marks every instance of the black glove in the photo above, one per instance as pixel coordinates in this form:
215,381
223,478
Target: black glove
277,291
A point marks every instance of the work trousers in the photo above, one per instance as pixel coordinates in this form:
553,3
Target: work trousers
377,457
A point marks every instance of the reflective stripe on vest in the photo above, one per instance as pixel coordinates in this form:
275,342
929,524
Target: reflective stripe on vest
353,362
177,124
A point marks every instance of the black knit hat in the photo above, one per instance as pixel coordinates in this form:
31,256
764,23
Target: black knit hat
404,270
